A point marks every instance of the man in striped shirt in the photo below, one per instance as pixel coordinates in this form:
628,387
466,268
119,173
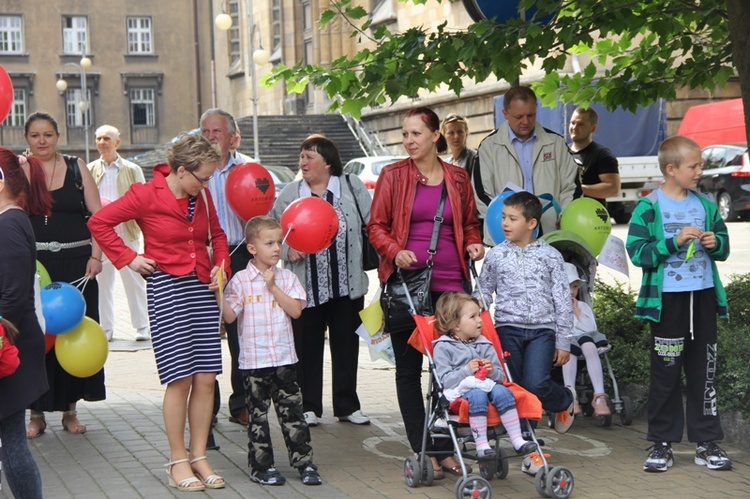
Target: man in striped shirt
220,128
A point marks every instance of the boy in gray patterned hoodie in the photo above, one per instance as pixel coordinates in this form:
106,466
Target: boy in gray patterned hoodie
533,312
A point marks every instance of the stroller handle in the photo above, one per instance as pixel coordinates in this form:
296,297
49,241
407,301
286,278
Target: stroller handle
482,299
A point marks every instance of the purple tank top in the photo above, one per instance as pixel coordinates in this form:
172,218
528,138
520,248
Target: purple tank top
446,271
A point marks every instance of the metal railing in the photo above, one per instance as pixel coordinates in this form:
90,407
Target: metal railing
368,141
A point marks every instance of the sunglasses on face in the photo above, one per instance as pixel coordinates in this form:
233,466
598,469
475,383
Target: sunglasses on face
454,118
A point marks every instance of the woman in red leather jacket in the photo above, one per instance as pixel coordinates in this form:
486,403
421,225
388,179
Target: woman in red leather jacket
401,223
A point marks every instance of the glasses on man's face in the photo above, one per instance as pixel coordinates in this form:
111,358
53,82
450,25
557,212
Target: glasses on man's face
201,180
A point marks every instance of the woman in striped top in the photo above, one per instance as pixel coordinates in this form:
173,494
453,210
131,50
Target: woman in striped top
178,222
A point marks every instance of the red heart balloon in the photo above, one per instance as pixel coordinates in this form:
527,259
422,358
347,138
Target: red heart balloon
6,94
250,190
313,223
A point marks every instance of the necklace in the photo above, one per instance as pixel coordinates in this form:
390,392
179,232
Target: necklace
49,187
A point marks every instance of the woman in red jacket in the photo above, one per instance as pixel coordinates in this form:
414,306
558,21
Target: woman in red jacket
401,223
178,221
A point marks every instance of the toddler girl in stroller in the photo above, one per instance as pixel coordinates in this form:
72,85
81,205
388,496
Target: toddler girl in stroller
468,367
586,340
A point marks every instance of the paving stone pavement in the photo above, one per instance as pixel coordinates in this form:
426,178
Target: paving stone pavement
122,455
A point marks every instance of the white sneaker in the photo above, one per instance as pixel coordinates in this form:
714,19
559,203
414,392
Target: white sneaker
357,417
532,463
143,334
110,334
310,418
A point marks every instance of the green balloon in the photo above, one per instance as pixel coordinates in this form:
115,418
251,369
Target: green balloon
589,219
43,274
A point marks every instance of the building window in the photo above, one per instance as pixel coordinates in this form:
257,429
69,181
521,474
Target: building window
11,35
307,19
275,25
143,107
75,106
139,35
17,115
75,35
234,32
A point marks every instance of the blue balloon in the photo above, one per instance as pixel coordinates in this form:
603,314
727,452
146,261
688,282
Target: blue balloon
63,307
493,219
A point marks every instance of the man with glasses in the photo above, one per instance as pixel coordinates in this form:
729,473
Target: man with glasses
220,128
114,176
526,154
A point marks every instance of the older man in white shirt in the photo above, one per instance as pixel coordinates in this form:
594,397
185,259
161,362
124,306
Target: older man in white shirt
114,176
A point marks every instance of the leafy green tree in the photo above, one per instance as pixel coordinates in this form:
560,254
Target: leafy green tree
638,51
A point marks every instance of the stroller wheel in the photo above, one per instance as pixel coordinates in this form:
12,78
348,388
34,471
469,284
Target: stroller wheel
488,469
473,487
540,482
626,414
412,475
559,482
428,472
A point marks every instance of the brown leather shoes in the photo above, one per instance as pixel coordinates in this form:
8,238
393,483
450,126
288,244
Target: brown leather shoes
240,418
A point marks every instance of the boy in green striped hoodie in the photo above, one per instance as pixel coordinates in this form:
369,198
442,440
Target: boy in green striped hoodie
676,235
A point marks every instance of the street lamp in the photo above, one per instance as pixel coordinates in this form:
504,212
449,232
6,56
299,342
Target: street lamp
260,57
83,104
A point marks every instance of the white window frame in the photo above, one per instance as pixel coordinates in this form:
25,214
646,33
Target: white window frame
75,36
140,35
11,34
143,96
234,42
73,107
17,115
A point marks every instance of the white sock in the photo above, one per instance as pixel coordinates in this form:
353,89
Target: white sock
478,426
594,366
513,427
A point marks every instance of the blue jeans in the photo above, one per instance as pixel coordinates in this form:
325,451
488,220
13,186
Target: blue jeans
501,398
19,466
531,355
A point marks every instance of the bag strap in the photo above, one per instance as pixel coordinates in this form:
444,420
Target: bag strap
208,214
436,227
351,189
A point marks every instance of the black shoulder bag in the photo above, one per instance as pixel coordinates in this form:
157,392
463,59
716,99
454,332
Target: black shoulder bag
370,257
396,310
71,162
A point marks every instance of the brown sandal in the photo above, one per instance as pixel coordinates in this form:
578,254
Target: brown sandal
456,468
37,425
71,424
601,404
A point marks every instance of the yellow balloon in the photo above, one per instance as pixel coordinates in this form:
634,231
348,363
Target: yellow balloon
83,350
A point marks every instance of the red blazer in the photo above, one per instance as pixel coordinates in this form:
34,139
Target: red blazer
390,215
178,246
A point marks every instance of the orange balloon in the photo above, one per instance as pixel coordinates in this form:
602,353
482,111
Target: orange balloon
49,342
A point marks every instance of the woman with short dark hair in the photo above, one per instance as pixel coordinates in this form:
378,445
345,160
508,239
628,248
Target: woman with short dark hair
334,280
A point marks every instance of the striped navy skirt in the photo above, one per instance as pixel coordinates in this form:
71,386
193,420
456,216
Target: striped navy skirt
184,318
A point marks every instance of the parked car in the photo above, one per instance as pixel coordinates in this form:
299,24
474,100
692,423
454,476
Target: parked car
726,175
368,168
281,176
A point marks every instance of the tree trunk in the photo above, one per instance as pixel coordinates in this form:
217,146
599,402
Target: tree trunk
738,12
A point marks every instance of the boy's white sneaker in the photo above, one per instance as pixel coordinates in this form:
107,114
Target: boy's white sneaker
310,418
357,417
710,455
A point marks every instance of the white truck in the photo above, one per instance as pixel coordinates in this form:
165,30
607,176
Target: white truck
639,176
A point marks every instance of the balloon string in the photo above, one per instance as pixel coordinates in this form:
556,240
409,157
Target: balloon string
235,249
79,282
289,230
